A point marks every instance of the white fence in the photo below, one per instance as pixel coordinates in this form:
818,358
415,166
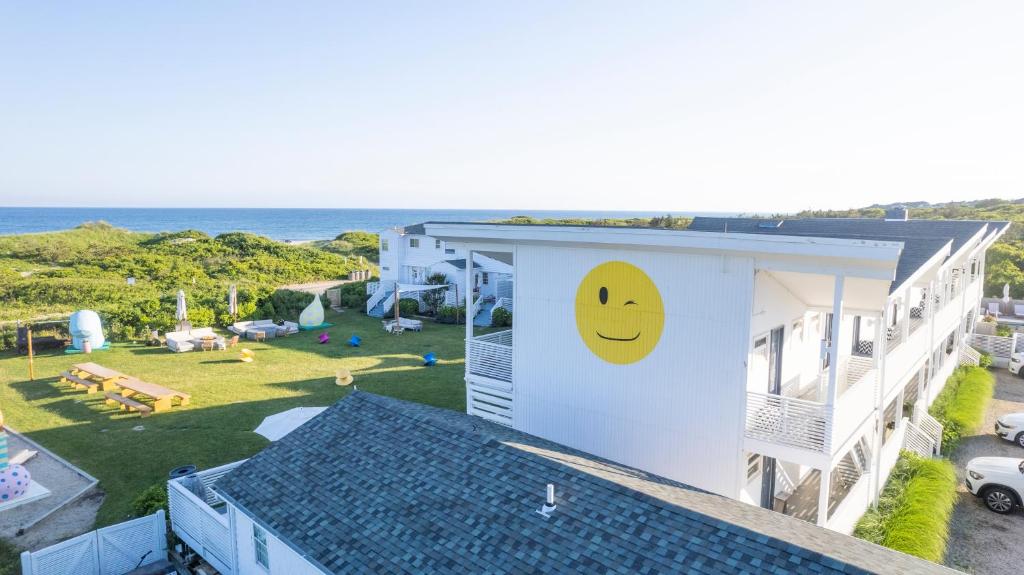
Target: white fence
113,550
198,518
997,346
490,356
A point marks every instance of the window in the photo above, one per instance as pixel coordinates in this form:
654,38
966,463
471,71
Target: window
450,251
386,268
383,245
414,242
437,244
259,546
486,278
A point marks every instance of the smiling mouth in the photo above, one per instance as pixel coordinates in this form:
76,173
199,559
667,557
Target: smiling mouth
634,338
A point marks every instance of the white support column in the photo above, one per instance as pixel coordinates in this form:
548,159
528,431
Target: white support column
876,437
830,398
933,308
469,320
905,319
823,496
833,348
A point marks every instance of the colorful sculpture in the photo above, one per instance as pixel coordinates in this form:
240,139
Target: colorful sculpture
14,479
313,315
355,340
247,355
430,359
85,326
325,337
344,377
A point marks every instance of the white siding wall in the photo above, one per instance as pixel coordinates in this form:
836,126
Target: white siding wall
283,560
390,261
679,411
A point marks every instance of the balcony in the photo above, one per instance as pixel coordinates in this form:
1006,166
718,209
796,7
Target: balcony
489,376
801,419
199,516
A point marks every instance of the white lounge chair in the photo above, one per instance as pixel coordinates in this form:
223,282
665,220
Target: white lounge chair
993,308
1018,310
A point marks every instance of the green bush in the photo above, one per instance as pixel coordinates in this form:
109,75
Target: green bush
10,559
914,509
501,317
451,314
960,407
985,360
408,306
153,498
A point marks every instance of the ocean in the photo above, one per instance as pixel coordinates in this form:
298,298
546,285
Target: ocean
278,224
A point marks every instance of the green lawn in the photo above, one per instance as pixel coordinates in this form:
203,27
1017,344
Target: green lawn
229,398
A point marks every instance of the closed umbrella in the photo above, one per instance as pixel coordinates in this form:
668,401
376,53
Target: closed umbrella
233,301
180,311
276,426
1006,293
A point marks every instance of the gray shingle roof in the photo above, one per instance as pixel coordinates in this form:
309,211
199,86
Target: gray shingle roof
415,229
378,485
922,239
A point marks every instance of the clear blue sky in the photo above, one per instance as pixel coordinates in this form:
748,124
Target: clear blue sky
756,106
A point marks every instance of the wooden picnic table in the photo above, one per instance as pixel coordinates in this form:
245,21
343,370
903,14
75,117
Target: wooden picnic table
108,377
162,396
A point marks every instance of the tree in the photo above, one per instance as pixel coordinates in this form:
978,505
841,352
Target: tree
434,298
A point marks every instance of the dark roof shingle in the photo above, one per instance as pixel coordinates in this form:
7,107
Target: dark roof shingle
378,485
922,239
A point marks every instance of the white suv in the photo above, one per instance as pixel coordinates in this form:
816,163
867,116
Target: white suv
1011,428
999,481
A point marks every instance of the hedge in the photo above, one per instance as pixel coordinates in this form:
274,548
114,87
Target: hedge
914,509
960,407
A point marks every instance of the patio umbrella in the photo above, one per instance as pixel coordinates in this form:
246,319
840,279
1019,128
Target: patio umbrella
233,300
1006,293
276,426
181,312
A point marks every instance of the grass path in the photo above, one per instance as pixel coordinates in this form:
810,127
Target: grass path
229,398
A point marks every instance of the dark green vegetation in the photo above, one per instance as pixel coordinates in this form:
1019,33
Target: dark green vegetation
960,406
352,244
88,267
501,318
914,508
666,221
10,560
229,398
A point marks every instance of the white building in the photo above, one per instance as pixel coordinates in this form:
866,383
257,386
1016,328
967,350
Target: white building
408,257
781,363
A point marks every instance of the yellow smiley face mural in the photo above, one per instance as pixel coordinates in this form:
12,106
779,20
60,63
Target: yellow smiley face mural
619,312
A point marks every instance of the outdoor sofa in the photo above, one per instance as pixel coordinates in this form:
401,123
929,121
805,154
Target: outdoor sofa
179,341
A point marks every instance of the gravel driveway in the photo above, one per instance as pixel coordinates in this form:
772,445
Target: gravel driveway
980,541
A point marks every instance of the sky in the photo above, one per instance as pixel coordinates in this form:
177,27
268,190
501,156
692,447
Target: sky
674,106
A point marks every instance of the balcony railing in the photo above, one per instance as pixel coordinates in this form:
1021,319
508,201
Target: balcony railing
805,423
490,356
198,516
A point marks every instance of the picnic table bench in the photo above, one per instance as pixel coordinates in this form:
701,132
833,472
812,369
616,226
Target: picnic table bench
79,383
162,397
106,376
127,403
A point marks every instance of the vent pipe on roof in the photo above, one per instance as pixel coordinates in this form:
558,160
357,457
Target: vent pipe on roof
897,214
549,502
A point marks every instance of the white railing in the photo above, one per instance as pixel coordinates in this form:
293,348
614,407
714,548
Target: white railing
854,407
504,303
379,293
917,441
930,426
788,421
968,355
490,356
475,307
196,519
490,402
